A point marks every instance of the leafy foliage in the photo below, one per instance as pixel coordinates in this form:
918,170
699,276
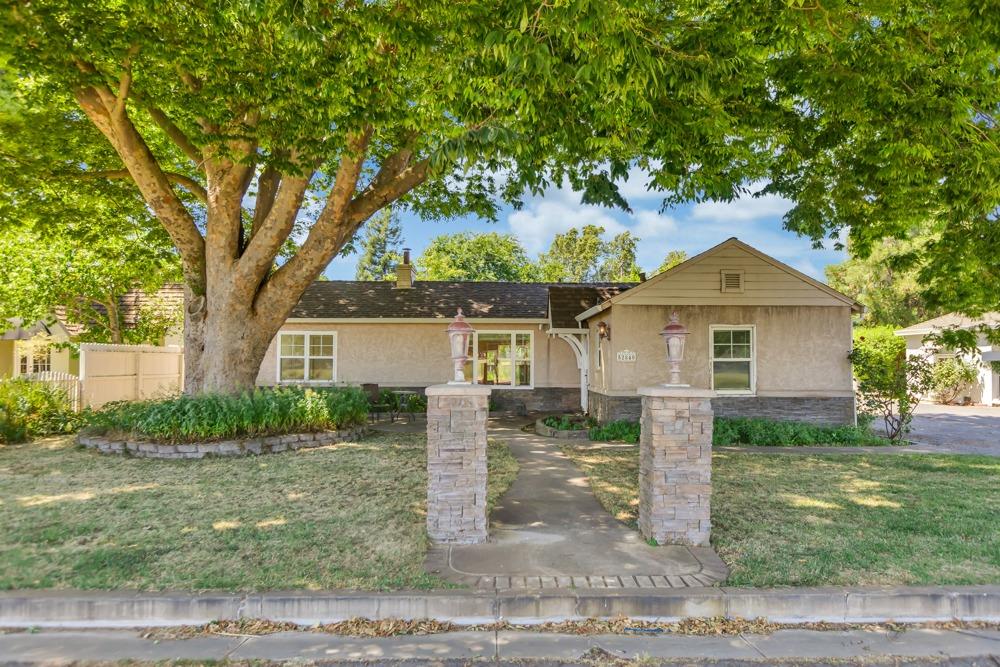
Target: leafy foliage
886,282
621,430
30,409
264,411
381,243
889,383
569,422
469,256
672,259
775,433
950,377
581,255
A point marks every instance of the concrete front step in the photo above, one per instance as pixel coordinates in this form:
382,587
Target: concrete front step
70,609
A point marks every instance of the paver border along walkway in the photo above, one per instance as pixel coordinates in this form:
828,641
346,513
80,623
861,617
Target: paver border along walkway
549,531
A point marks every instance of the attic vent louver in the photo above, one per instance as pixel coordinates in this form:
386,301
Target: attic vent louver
732,281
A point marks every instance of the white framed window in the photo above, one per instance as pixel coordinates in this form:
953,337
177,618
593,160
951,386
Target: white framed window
502,359
597,352
34,358
733,354
307,356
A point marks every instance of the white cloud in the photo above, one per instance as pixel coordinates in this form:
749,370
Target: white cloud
559,211
741,210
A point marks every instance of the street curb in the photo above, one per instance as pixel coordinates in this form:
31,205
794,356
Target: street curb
78,609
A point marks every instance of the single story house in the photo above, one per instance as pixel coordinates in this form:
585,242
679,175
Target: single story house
770,340
987,390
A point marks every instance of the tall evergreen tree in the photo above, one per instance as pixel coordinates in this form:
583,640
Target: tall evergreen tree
382,241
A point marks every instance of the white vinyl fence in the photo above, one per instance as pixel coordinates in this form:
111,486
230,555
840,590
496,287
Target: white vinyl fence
66,382
129,372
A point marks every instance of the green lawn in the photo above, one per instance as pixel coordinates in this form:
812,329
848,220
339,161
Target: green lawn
346,516
835,520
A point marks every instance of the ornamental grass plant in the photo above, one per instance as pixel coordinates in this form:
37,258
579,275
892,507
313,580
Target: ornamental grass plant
30,409
206,417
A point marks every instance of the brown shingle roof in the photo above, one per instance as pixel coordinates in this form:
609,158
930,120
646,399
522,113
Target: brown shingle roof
429,298
569,301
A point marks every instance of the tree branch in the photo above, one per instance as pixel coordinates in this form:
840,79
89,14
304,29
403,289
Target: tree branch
97,103
175,134
189,184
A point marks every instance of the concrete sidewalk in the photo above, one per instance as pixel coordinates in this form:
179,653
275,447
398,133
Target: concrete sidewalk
866,645
549,531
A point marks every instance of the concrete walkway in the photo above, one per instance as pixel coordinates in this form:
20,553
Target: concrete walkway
867,645
549,531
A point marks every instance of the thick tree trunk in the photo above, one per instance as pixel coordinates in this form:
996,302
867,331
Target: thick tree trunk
224,345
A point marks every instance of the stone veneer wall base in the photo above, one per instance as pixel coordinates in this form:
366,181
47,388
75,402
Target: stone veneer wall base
833,410
238,447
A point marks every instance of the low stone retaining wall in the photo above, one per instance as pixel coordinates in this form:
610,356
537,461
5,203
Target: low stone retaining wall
198,450
542,429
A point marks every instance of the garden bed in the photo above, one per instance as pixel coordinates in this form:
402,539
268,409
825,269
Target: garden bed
565,427
837,520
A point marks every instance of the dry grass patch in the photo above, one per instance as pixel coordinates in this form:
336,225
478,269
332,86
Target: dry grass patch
835,519
349,515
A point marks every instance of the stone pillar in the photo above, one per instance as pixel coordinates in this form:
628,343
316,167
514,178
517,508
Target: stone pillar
675,465
456,463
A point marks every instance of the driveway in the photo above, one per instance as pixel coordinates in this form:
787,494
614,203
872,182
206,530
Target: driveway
956,429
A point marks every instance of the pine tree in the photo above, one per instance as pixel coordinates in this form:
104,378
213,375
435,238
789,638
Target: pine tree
382,241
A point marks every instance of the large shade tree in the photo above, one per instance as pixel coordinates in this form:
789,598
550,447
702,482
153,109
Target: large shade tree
239,120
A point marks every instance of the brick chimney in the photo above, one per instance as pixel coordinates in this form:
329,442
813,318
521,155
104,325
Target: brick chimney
406,274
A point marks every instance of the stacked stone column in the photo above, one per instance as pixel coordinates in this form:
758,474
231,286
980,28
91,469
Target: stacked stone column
675,465
456,463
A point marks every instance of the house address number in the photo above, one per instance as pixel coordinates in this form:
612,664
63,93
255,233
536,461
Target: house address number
626,356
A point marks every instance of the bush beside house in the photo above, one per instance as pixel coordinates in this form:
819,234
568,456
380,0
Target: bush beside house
950,377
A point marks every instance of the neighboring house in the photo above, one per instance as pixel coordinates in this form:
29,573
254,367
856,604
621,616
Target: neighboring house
42,346
772,341
987,390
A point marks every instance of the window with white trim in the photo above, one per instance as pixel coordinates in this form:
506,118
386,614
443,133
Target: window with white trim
732,352
501,358
307,357
35,358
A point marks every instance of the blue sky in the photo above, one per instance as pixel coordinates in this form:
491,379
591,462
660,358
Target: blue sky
692,228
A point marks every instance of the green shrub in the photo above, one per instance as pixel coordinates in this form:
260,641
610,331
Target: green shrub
755,431
263,411
770,432
616,431
950,377
30,409
890,383
569,422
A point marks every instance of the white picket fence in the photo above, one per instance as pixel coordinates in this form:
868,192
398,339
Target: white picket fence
66,382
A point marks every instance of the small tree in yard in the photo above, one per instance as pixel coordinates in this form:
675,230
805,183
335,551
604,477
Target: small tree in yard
889,383
950,377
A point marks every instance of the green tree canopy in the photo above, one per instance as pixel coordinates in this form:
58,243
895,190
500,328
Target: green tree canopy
886,282
381,243
672,259
581,255
867,114
469,256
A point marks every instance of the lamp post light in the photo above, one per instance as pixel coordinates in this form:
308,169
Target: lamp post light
459,331
674,335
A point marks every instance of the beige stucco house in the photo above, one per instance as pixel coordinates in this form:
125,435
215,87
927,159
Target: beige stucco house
770,340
